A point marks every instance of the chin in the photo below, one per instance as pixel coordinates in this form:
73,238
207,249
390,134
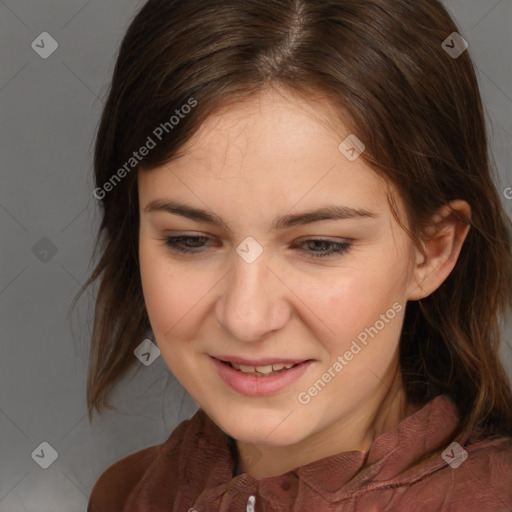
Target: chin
262,433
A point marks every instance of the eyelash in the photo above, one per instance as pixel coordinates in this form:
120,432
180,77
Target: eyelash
342,247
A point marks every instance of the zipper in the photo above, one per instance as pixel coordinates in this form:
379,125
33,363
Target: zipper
250,504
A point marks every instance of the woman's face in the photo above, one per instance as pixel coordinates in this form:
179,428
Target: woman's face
256,287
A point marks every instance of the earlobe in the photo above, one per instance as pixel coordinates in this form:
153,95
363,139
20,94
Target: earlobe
441,245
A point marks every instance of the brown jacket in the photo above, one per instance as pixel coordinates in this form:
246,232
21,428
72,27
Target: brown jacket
193,472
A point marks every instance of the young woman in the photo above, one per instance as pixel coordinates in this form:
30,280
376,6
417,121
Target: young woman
298,208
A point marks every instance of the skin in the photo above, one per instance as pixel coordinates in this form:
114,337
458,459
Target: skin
249,163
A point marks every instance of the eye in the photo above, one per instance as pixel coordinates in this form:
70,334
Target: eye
322,244
316,247
175,243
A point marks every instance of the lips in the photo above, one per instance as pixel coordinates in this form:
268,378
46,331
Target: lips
259,384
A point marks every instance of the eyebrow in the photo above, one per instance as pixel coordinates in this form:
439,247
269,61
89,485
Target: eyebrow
328,212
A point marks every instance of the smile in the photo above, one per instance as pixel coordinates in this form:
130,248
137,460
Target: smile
259,380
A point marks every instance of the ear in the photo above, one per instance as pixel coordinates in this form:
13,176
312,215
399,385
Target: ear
441,245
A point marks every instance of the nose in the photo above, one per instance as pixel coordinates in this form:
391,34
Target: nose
253,300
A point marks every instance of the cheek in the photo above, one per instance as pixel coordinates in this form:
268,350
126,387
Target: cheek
347,302
353,297
171,292
164,289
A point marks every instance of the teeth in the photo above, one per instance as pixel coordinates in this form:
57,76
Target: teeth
269,368
264,369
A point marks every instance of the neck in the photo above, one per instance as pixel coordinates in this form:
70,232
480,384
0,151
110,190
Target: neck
381,412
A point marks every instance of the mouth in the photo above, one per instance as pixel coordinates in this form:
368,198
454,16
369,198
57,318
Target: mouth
260,379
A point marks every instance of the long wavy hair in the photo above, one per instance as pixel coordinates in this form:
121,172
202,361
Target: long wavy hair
382,66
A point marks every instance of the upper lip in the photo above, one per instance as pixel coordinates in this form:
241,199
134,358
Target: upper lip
258,362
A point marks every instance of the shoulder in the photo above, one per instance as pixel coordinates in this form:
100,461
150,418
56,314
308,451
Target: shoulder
484,480
114,485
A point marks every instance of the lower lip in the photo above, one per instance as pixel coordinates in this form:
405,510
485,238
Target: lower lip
259,386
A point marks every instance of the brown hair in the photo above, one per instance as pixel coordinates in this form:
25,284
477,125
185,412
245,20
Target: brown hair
381,64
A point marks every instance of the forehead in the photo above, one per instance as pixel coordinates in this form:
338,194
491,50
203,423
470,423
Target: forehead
271,121
275,149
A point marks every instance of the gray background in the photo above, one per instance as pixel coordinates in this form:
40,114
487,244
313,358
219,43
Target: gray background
50,110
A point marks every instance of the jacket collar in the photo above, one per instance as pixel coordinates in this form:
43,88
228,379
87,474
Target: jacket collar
207,463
